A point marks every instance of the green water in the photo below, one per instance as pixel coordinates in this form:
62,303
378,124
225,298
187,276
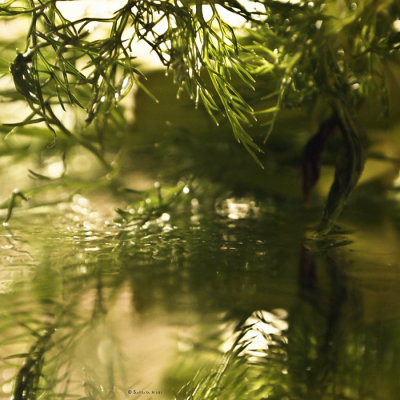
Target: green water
231,301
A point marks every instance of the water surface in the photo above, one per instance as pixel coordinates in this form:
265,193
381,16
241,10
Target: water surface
229,301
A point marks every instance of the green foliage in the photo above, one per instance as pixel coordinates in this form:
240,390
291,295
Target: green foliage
64,66
328,56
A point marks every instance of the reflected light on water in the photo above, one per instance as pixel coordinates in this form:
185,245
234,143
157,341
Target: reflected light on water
263,324
92,249
264,327
238,208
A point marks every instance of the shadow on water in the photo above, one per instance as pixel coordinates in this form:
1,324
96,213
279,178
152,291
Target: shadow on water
232,302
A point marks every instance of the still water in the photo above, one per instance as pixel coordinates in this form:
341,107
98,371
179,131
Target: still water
230,301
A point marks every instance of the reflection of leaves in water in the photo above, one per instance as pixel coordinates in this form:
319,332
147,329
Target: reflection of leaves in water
68,293
251,368
49,315
27,380
56,317
321,350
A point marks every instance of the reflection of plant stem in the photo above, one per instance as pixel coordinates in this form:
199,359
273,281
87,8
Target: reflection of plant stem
26,383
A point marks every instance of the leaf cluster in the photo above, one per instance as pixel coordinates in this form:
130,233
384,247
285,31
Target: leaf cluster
318,50
63,65
303,44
